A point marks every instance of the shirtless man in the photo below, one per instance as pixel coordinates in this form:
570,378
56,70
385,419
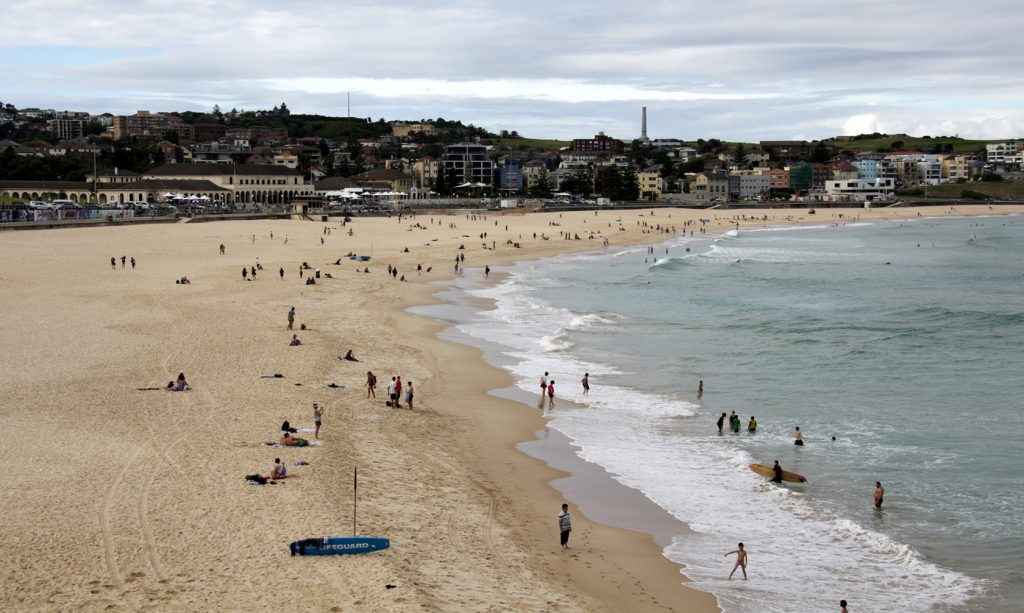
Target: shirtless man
741,561
293,441
879,494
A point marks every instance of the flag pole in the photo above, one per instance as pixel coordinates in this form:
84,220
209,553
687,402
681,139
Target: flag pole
355,489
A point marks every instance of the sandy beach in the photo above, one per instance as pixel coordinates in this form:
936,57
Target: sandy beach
121,499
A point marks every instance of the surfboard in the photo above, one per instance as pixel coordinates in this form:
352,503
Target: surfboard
338,545
766,471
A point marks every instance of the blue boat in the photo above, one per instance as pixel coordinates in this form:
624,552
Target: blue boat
338,545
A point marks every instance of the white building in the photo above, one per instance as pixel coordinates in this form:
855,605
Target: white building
1004,152
860,190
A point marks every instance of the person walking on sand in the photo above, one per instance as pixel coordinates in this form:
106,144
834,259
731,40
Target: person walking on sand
408,395
123,260
586,383
222,248
721,423
798,437
551,394
392,397
133,262
280,271
113,263
318,418
398,392
741,561
543,385
879,494
291,317
371,384
564,526
245,273
285,239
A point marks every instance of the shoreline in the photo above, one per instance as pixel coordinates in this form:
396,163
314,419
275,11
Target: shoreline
631,527
153,482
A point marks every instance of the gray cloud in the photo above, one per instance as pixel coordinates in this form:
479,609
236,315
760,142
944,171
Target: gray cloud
737,69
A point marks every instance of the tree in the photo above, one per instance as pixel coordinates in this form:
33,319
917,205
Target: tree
216,111
440,185
740,155
171,136
630,185
580,182
283,110
821,153
541,188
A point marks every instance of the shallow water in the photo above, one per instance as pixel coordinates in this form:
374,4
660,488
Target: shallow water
903,340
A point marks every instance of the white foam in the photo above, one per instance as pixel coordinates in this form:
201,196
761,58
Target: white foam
802,555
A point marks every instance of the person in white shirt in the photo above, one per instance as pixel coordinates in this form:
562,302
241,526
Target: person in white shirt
564,526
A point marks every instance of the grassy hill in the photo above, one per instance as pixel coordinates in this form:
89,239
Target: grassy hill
526,144
882,142
994,189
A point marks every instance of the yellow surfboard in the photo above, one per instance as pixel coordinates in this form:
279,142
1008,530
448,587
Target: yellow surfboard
766,471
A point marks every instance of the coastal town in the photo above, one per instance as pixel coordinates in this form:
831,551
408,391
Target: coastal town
74,164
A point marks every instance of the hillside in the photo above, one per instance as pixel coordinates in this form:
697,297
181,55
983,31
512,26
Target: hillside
927,144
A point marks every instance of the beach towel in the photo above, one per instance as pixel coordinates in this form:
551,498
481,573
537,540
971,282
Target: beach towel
276,444
306,430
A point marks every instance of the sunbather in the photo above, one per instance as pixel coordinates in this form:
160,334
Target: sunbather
293,441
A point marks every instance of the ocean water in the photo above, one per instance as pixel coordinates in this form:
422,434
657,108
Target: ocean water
904,340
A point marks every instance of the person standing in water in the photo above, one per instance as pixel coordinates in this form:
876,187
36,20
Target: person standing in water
778,473
842,607
741,560
551,394
798,437
879,494
721,423
318,417
700,388
586,383
752,425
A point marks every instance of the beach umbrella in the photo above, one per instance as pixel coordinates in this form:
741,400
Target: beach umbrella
204,198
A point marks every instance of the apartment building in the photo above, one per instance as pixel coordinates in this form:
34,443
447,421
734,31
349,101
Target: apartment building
711,187
600,142
469,163
144,123
67,129
1004,153
649,183
860,190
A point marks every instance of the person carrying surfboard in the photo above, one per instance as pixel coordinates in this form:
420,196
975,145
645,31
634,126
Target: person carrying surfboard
778,473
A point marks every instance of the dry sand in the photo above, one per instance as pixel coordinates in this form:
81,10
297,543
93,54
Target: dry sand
121,499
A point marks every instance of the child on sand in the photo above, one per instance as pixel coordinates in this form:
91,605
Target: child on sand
741,560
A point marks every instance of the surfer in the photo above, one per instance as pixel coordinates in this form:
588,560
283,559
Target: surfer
879,494
778,473
721,422
564,526
752,425
318,418
741,560
798,437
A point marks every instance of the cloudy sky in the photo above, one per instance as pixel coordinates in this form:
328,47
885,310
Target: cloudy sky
733,69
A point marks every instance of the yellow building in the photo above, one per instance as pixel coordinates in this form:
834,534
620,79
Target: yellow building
649,184
956,167
425,171
403,130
